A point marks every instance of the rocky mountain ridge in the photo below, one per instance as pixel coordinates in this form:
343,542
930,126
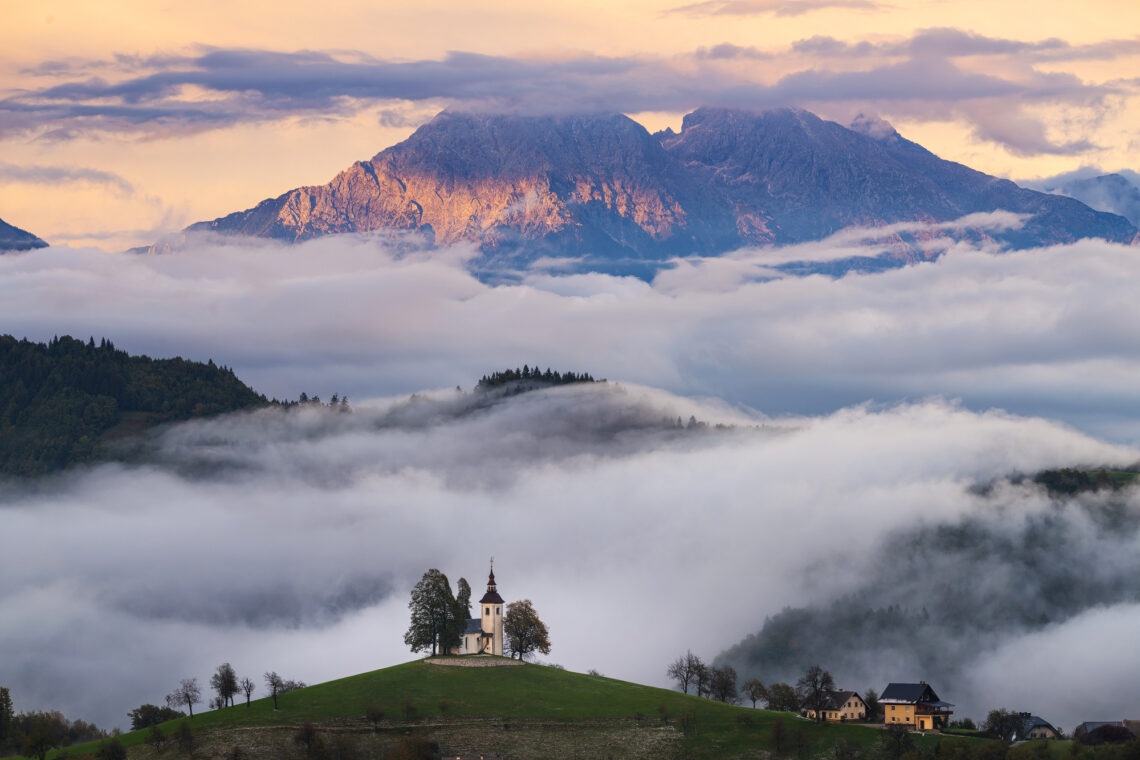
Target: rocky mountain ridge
603,190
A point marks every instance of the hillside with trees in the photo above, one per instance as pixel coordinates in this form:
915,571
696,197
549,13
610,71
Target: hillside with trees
63,401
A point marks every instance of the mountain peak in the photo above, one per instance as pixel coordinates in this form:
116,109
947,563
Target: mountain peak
15,239
599,188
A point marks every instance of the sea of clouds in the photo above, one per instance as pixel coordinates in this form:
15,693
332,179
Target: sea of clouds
288,541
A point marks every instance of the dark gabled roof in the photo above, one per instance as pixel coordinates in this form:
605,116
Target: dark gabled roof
491,597
837,699
474,625
909,693
1033,721
1092,725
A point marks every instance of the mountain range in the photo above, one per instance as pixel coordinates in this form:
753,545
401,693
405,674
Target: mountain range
15,239
1107,192
602,190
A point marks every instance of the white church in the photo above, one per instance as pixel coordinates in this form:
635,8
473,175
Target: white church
484,635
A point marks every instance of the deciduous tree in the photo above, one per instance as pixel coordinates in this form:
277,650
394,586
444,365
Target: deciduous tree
871,699
148,715
524,631
41,739
782,696
755,690
247,686
684,670
225,683
1003,723
188,693
722,684
813,689
433,612
274,683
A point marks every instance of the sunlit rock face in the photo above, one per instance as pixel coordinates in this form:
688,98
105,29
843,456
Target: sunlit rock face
601,189
561,185
16,239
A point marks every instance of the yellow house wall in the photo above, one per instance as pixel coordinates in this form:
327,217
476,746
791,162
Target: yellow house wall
856,712
899,714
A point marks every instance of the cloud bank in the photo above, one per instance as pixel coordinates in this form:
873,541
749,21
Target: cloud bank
288,541
1047,332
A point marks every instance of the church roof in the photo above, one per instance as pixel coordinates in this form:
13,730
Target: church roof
492,595
474,625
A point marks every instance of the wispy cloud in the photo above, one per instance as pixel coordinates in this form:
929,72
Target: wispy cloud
771,7
62,175
924,76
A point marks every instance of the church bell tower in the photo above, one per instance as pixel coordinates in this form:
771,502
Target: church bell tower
492,612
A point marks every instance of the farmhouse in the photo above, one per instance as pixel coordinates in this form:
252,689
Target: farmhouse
484,635
1091,725
915,704
842,706
1033,727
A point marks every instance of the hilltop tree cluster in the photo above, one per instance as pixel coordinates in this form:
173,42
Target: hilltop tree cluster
439,618
690,672
534,376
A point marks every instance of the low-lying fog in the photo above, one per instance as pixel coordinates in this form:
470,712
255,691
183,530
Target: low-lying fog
289,541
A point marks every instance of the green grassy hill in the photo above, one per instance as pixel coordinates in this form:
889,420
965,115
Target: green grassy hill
523,711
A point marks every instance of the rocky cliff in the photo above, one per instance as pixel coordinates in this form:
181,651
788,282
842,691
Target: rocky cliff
601,187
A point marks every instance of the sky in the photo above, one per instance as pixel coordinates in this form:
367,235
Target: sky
122,121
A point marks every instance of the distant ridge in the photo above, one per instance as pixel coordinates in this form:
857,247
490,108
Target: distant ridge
599,188
15,239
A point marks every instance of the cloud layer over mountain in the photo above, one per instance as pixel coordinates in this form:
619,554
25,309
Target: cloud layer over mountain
1046,331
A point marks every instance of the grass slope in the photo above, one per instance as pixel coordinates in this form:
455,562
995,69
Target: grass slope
508,700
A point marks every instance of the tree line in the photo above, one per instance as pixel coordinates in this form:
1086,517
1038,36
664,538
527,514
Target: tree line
27,732
534,375
58,400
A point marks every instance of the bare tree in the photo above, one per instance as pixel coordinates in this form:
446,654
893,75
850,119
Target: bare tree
814,688
188,693
703,677
722,684
524,631
274,682
684,670
247,685
755,690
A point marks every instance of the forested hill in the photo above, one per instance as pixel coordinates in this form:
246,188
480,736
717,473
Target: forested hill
60,403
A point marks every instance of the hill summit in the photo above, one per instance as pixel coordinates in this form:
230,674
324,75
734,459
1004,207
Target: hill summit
602,187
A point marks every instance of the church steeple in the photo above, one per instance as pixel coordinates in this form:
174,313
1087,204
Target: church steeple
491,606
492,595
